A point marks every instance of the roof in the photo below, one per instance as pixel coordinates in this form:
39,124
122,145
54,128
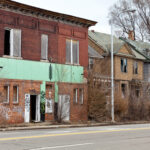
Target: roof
92,53
142,48
104,41
47,13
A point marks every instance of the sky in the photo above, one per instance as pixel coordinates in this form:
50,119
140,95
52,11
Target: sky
96,10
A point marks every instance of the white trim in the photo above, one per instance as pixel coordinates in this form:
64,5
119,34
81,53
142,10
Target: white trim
11,42
17,101
71,52
7,100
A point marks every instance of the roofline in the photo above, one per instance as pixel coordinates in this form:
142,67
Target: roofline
52,14
135,48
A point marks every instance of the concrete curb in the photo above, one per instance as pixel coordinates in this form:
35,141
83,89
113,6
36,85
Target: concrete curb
35,127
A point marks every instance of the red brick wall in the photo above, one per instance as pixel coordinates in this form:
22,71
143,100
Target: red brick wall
33,27
11,112
78,112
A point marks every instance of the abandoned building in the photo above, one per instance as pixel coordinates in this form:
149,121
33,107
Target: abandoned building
42,53
128,65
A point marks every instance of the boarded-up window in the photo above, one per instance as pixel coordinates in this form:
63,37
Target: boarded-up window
81,96
15,94
12,43
16,43
44,47
72,51
6,94
75,96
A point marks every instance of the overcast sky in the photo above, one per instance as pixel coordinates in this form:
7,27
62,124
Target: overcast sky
96,10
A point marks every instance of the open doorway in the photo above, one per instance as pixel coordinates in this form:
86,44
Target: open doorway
32,108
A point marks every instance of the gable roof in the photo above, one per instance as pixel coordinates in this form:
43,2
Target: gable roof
46,13
104,41
92,53
140,47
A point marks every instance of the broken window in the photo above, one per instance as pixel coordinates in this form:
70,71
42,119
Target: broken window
15,94
75,96
123,65
124,90
72,51
81,96
49,89
6,94
12,42
135,67
44,47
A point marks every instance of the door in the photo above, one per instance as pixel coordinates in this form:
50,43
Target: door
27,108
64,108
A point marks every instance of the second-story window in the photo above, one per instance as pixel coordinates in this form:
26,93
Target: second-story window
72,51
44,47
123,65
135,67
12,42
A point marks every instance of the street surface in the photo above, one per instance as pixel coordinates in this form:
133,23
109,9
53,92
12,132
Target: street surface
121,137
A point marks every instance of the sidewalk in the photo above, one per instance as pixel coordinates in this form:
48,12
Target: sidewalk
48,125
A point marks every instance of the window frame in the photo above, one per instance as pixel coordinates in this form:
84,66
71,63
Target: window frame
71,52
17,101
11,41
81,97
8,89
124,67
75,95
124,91
135,67
46,50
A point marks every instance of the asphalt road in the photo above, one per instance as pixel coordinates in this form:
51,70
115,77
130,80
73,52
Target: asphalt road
123,137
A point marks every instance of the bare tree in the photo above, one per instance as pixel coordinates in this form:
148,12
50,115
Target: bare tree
125,21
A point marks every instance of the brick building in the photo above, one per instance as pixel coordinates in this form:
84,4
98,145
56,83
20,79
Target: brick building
42,52
128,64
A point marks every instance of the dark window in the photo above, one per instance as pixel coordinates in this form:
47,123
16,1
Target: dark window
124,90
123,65
12,42
7,42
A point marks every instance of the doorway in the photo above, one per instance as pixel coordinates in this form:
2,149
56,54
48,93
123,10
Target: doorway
32,108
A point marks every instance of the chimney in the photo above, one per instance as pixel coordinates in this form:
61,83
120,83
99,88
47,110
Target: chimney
131,35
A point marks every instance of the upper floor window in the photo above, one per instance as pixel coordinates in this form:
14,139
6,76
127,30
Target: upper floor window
12,42
123,65
44,47
72,51
135,67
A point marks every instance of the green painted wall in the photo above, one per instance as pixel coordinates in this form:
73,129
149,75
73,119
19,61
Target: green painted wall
34,70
